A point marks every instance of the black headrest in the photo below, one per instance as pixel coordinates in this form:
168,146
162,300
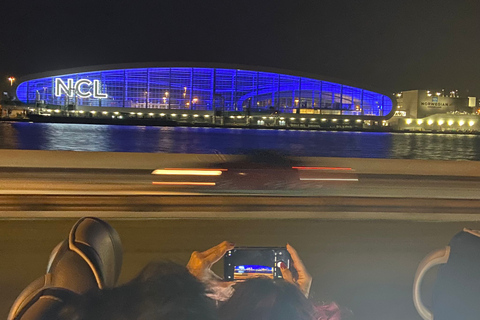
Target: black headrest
457,288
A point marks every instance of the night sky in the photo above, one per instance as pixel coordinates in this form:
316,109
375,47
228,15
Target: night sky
387,45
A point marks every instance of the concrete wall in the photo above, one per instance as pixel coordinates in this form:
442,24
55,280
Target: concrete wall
150,161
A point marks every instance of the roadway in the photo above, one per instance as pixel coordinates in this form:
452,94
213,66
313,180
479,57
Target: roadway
27,192
362,242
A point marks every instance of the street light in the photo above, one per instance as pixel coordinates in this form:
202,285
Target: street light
11,79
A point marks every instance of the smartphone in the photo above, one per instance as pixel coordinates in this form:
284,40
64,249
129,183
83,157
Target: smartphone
244,263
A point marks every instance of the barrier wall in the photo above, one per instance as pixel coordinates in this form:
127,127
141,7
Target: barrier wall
150,161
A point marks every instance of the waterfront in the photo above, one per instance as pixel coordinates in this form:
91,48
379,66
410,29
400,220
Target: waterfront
83,137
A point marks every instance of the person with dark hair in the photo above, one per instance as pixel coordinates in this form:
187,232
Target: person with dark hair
162,291
267,299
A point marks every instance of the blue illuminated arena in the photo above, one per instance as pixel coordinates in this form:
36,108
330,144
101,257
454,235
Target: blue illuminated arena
202,88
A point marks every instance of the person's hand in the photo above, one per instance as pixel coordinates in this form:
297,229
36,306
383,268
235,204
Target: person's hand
200,264
304,280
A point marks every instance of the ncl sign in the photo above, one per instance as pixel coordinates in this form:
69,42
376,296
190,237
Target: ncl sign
83,88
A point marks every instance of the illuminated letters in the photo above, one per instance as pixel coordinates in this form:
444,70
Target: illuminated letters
97,86
83,88
61,87
78,88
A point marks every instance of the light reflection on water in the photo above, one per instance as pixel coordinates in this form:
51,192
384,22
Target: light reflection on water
83,137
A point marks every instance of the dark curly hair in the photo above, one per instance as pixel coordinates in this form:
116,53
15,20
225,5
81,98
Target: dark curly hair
267,299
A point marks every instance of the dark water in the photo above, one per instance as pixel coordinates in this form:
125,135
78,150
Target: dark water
83,137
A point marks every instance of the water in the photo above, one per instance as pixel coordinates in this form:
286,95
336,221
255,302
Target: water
84,137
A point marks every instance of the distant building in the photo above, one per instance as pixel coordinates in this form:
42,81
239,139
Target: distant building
424,110
205,93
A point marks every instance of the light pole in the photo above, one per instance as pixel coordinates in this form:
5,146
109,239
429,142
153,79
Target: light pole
12,80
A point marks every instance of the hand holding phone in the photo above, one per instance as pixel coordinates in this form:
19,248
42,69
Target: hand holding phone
302,279
200,264
244,263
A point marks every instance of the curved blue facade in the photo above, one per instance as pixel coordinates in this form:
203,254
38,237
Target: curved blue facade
194,88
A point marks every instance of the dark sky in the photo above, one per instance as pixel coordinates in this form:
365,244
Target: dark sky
383,44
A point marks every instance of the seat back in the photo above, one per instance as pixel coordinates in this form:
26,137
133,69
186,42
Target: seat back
100,246
91,258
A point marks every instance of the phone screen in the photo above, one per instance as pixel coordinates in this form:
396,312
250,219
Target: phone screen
246,263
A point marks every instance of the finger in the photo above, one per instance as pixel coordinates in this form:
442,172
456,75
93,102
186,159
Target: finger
219,246
299,266
214,254
304,280
286,273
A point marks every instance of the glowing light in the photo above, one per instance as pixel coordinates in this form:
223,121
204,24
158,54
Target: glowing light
323,119
184,115
150,114
313,119
104,112
162,114
321,168
195,115
116,112
139,113
173,114
359,120
282,118
334,120
419,121
72,88
303,119
471,123
81,111
327,179
292,118
440,122
57,111
346,120
165,183
430,122
188,172
11,79
450,122
93,112
461,123
239,117
206,116
408,121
